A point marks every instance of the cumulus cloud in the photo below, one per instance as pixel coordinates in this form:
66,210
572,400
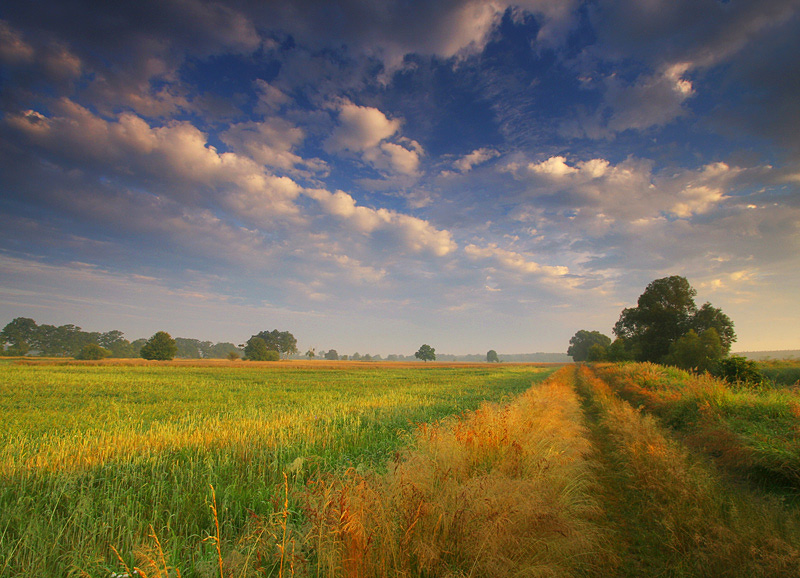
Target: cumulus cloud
360,128
365,130
630,190
412,234
270,142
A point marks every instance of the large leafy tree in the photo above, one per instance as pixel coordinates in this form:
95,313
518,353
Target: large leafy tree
426,353
281,341
666,312
160,346
583,341
18,335
256,349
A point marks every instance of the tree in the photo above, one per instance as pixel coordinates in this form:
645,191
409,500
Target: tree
280,341
331,355
583,340
491,356
92,351
311,354
597,352
708,317
696,352
161,346
18,335
256,349
426,353
665,312
114,342
233,355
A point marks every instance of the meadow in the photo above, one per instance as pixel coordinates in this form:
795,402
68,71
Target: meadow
102,455
359,470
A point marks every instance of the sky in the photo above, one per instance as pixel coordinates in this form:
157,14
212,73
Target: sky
375,175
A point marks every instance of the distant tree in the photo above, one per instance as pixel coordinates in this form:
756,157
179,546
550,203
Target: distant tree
665,312
280,341
233,355
18,335
491,356
331,355
311,354
272,355
426,353
161,346
114,342
343,357
356,356
256,349
582,342
366,357
392,357
92,351
222,351
136,346
188,348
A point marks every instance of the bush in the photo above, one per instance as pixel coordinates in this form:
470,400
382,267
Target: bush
736,369
92,351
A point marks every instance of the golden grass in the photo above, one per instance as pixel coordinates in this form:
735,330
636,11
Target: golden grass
502,491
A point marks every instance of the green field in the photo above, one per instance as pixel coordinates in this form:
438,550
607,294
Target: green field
94,456
227,470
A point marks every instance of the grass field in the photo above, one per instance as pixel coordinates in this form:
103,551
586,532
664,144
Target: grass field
387,470
94,455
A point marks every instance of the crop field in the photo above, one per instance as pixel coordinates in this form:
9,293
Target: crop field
382,470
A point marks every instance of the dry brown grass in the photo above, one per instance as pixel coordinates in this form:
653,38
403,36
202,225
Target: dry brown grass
503,491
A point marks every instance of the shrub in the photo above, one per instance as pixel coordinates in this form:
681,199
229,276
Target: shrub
736,369
92,351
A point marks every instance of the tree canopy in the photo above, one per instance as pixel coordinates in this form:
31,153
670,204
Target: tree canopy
491,356
426,353
665,313
281,341
583,341
161,346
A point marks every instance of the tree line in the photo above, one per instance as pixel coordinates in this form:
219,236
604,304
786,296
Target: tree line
668,328
23,336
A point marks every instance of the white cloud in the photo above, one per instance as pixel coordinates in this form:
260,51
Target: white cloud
360,128
476,157
412,234
516,262
629,190
269,142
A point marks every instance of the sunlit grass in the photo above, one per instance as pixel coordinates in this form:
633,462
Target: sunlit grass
752,430
100,455
505,490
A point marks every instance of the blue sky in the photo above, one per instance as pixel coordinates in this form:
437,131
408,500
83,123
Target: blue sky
374,175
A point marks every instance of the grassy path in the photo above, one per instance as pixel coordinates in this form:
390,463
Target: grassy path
670,512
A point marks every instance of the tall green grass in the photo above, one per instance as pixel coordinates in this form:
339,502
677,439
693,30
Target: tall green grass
674,514
755,431
100,456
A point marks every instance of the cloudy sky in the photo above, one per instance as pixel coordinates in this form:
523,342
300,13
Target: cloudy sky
374,175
